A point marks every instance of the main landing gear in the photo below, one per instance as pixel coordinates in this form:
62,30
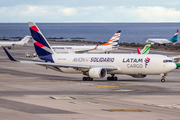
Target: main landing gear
112,78
87,79
163,77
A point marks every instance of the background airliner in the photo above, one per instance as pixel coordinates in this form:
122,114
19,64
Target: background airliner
111,45
11,44
97,65
164,41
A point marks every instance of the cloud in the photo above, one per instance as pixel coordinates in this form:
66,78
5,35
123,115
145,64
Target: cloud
157,14
33,11
92,8
68,11
99,13
147,14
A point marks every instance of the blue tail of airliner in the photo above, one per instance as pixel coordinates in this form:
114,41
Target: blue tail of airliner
174,38
41,45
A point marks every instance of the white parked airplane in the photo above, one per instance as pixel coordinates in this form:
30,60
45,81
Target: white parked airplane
164,41
97,65
111,45
11,44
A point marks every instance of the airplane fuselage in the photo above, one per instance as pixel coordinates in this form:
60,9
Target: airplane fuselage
125,63
68,49
159,41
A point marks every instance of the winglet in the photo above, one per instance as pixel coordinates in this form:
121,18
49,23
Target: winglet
177,31
25,39
96,47
9,55
138,51
146,49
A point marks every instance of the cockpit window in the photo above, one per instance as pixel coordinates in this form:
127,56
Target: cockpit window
165,61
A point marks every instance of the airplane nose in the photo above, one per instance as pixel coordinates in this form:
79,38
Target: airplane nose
171,66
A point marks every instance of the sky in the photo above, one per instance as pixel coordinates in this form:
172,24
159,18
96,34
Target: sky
82,11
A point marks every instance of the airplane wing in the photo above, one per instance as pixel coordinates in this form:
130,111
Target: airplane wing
56,65
84,51
6,45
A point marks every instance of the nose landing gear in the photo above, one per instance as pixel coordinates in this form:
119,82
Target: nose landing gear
163,77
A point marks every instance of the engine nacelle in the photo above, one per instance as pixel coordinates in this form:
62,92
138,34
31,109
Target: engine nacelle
138,76
97,72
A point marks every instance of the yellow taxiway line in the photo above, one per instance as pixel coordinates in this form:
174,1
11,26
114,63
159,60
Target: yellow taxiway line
4,74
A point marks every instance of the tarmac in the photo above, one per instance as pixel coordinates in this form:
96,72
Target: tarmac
32,92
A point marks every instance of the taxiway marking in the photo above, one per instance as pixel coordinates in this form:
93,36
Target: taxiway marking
104,86
30,77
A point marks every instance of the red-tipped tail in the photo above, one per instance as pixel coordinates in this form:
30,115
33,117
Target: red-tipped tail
138,51
177,31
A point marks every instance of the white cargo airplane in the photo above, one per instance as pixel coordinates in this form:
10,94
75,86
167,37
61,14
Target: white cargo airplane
111,45
11,44
164,41
97,65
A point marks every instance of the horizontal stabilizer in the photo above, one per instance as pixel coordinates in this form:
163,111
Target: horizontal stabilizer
9,55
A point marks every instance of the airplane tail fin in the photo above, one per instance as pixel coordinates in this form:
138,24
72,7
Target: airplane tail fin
174,38
25,39
41,45
146,49
138,51
114,40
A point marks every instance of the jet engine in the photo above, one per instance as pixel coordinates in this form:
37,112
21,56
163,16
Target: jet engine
138,76
97,72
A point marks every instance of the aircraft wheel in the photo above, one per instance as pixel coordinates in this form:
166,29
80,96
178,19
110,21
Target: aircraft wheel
108,78
162,80
84,79
112,78
115,78
88,79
